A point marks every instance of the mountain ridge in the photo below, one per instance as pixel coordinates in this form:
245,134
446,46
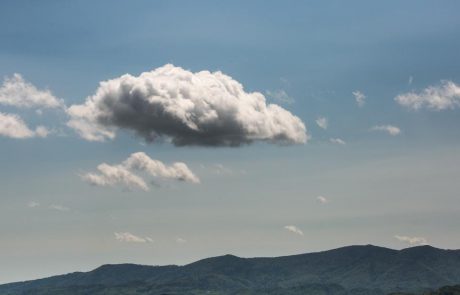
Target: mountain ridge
367,268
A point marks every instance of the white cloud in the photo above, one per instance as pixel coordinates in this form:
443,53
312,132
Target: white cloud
440,97
280,96
293,229
180,240
412,240
17,92
13,126
337,141
322,199
130,238
411,79
59,208
322,122
359,97
202,108
390,129
41,131
177,171
33,204
110,175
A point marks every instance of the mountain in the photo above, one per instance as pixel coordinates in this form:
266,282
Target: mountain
353,270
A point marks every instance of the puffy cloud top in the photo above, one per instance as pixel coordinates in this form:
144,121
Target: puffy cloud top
203,108
441,97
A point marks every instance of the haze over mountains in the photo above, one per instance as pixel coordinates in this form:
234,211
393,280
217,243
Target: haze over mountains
348,270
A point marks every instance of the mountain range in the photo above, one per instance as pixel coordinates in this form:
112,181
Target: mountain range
352,270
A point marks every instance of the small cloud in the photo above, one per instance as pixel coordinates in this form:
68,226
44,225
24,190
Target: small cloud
130,238
33,204
221,169
359,97
322,200
180,240
438,98
59,208
111,175
148,239
411,79
41,131
13,126
17,92
412,241
280,96
390,129
322,122
293,229
337,141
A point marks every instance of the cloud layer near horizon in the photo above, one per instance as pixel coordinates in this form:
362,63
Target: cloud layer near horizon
412,241
203,108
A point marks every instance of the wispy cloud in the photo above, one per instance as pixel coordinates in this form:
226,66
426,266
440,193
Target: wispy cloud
390,129
33,204
322,122
413,241
280,96
180,240
360,98
337,141
131,238
440,97
322,199
293,229
221,169
59,208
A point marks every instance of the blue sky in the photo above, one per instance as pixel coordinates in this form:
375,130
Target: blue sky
307,57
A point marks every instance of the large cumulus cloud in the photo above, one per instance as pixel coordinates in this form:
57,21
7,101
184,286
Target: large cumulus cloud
203,108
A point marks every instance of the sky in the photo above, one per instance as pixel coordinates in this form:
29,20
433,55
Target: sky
163,132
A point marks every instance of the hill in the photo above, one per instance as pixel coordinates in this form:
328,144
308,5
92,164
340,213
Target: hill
357,270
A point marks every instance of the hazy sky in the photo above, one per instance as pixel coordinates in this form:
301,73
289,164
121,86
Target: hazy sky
257,128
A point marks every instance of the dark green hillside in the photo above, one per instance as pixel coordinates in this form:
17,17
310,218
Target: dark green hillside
354,270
